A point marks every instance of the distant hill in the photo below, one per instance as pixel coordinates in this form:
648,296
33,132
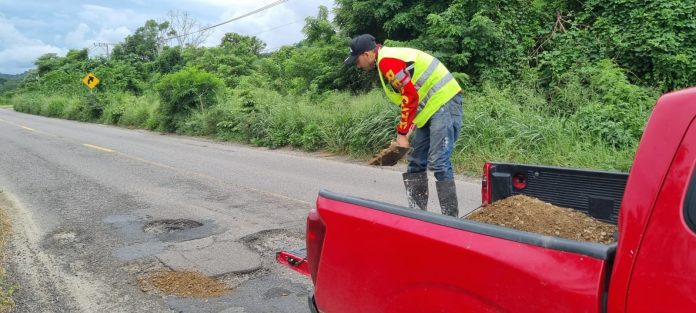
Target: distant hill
12,76
9,82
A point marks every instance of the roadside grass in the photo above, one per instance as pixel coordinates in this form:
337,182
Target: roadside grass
6,289
515,124
5,101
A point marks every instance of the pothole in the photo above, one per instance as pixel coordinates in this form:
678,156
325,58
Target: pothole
182,284
170,226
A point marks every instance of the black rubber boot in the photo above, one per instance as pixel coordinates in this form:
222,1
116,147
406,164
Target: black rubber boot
447,194
417,190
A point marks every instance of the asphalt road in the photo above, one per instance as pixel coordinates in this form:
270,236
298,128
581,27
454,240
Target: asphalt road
88,200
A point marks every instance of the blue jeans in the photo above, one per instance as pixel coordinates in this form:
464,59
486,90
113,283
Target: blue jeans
434,142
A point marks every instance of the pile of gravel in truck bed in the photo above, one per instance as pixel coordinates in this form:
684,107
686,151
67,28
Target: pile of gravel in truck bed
535,216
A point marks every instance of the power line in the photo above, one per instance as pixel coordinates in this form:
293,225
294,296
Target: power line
279,26
233,19
274,28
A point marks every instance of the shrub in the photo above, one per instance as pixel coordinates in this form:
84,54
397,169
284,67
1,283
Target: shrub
53,106
186,90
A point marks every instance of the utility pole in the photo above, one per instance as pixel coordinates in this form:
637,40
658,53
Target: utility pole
103,44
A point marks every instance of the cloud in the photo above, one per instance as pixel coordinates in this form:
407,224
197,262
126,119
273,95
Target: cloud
112,35
18,59
17,52
102,16
10,36
76,38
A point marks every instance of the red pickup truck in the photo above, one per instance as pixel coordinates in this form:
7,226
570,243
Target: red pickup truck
367,256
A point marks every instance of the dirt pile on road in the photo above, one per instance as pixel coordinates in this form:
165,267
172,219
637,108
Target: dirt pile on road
535,216
182,284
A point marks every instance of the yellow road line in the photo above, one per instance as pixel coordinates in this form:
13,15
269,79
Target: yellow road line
189,172
97,147
28,128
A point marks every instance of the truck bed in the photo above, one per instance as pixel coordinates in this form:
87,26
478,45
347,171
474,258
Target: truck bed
597,193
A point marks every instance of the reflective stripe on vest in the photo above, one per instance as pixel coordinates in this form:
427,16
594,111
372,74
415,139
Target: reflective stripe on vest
443,81
428,71
434,83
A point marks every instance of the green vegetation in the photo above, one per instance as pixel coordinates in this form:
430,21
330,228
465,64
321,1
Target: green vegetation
8,83
553,82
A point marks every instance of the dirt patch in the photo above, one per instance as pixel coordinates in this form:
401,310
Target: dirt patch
533,215
182,284
6,290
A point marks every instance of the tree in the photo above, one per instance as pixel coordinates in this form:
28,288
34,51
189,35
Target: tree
47,63
119,76
185,29
77,55
319,29
169,60
316,65
145,44
386,19
240,44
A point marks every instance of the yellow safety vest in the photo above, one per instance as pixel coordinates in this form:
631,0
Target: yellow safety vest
434,83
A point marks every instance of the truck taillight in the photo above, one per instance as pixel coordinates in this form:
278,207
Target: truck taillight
315,241
485,184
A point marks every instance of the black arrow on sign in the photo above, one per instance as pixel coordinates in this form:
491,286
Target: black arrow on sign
90,79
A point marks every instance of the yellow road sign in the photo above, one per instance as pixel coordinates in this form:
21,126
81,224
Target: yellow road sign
90,80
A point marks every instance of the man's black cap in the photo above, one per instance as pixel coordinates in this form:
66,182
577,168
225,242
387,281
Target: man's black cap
360,44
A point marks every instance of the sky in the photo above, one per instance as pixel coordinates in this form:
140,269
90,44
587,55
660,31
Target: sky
31,28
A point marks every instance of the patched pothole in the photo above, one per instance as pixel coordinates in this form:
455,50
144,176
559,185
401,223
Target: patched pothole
182,284
64,237
271,241
170,226
70,239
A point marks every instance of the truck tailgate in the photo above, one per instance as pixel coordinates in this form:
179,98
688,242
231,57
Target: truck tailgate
392,259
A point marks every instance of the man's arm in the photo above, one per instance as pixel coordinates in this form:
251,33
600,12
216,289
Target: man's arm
397,75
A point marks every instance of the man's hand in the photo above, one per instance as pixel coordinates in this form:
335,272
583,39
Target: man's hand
402,140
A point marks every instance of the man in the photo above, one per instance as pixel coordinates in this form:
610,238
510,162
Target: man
431,102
